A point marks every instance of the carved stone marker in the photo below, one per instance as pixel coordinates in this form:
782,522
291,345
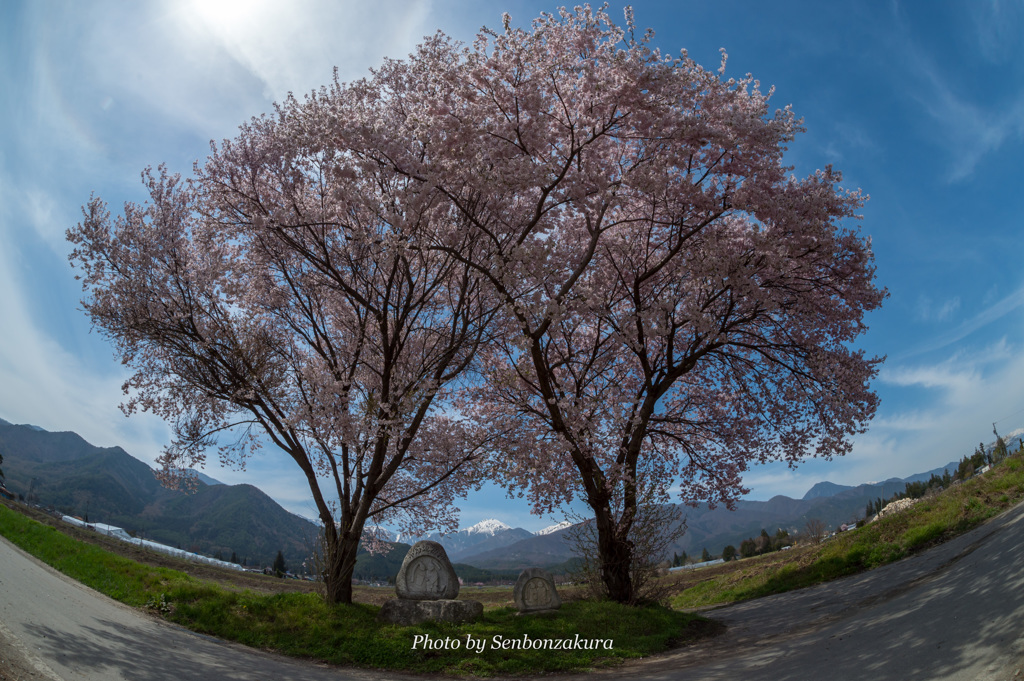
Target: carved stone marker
535,591
426,574
427,586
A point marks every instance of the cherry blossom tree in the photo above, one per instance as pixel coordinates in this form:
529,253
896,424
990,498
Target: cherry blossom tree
676,304
279,294
654,301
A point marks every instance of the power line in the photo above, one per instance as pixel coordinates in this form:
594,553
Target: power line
1007,417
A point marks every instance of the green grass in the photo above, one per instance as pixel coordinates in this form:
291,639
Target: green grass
122,579
930,521
302,625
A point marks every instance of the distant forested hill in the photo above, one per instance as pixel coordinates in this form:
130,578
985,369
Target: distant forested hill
107,485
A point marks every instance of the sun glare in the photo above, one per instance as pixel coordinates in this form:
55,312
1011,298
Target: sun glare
227,18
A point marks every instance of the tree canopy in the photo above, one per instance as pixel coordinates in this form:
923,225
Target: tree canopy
278,295
608,236
676,304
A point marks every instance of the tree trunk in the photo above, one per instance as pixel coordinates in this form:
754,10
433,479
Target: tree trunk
339,564
615,557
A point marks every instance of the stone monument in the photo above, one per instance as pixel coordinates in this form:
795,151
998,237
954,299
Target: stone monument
426,574
535,592
427,586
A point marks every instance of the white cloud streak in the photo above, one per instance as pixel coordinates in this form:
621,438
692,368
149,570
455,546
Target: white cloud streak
955,401
979,321
969,129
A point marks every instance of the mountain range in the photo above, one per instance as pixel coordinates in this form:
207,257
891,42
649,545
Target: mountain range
716,528
486,535
106,484
63,471
60,470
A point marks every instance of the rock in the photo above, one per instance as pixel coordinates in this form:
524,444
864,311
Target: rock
895,507
426,574
406,612
535,591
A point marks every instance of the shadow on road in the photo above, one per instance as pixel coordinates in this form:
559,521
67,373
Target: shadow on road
149,655
953,613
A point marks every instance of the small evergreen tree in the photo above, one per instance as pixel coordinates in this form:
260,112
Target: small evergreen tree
764,542
705,556
234,558
729,553
966,468
279,566
980,459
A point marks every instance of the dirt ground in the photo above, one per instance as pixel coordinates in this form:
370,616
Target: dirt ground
13,664
16,661
13,667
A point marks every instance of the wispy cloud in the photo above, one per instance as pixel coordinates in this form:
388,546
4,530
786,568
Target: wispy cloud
962,373
970,130
977,322
964,394
45,384
998,26
955,401
928,311
941,376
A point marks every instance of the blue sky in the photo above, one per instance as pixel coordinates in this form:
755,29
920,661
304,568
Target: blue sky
920,104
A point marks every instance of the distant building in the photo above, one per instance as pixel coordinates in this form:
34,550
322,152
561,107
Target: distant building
118,533
694,566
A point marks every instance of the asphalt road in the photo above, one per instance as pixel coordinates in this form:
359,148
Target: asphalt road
955,612
64,631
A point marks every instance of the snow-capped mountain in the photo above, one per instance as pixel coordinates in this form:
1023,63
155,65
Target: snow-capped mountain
1012,440
553,528
490,526
486,535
